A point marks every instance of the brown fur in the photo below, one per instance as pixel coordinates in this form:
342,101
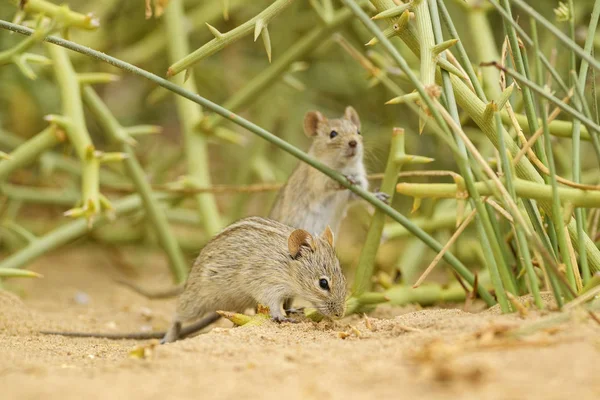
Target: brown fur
254,261
311,200
250,262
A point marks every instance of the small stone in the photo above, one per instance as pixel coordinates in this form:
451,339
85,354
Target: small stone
146,313
81,298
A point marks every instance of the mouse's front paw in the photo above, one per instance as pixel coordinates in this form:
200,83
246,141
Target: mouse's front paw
352,179
284,319
383,197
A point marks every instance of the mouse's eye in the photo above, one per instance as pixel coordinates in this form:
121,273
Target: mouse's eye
324,284
333,134
357,131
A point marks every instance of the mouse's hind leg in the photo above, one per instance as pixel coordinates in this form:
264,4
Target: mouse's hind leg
289,310
173,333
287,304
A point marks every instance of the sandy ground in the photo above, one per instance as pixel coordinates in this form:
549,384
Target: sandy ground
396,353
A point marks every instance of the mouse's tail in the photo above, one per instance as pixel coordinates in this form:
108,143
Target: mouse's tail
115,336
185,331
159,294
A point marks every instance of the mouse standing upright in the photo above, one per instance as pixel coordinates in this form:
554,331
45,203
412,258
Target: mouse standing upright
311,200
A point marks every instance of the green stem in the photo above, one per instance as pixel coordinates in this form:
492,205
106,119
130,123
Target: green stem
153,211
441,221
425,295
18,273
485,49
10,55
486,226
523,35
583,69
476,110
556,201
60,13
189,116
522,67
426,41
460,156
557,128
76,128
462,54
35,195
556,32
522,247
69,232
526,189
299,50
29,151
53,160
155,42
366,262
222,40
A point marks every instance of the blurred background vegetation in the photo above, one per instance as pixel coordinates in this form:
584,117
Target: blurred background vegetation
326,78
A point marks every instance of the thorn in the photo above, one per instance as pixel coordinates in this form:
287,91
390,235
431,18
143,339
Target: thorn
447,66
188,73
416,205
110,157
412,159
19,16
25,69
441,47
90,152
402,21
267,41
374,81
490,109
422,119
372,42
214,31
130,141
394,11
505,96
422,123
258,27
406,98
105,203
568,212
226,10
58,120
75,212
388,32
93,20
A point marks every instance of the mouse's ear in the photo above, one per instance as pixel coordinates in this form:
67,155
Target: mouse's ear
328,235
351,115
297,239
311,122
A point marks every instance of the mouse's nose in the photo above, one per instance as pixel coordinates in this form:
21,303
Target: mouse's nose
352,143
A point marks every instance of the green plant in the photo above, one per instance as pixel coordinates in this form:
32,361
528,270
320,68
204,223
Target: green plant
526,195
